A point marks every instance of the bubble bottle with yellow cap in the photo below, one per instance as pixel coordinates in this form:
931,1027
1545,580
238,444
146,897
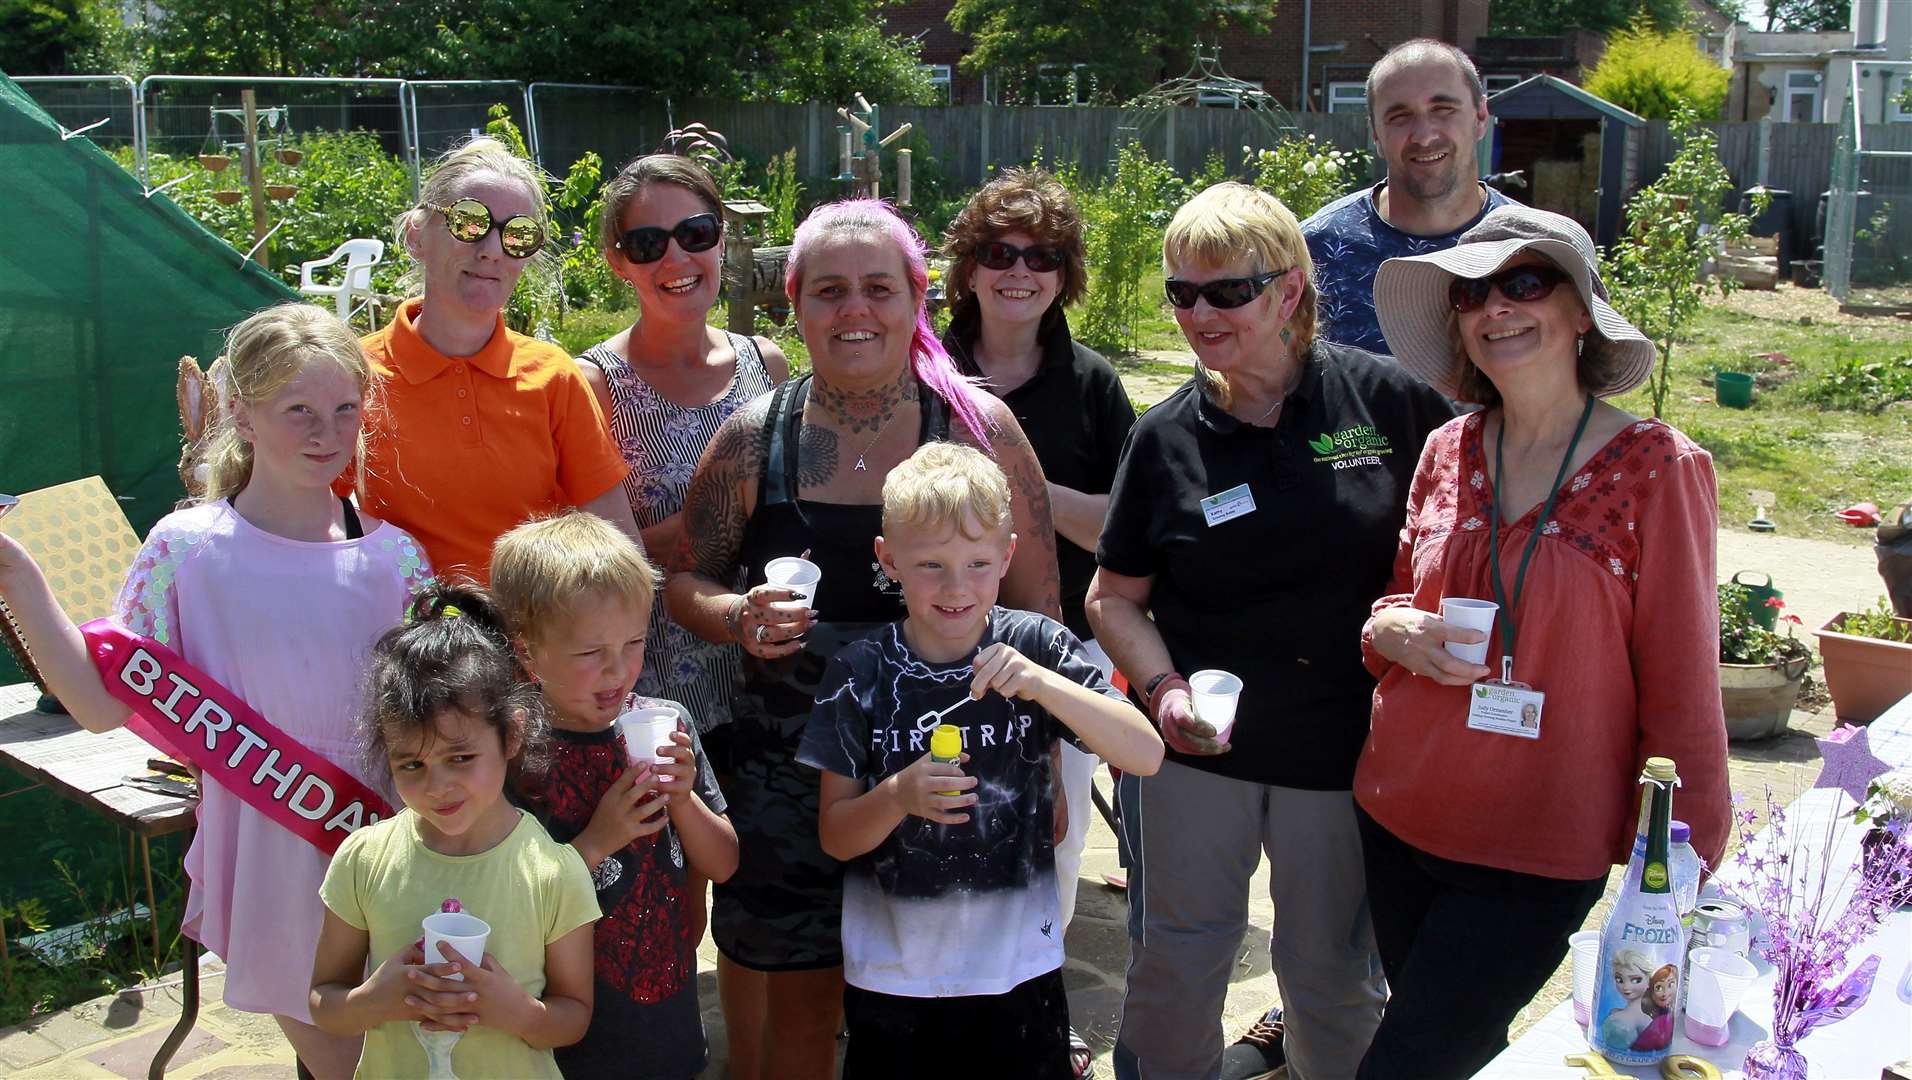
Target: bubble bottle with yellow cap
946,748
1643,945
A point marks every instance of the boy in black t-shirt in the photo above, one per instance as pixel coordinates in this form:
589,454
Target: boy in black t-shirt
577,594
949,908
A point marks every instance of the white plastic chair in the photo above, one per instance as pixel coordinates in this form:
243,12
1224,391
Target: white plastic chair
355,283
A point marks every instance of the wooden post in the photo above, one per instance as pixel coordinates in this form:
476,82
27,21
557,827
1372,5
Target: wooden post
903,176
740,254
255,183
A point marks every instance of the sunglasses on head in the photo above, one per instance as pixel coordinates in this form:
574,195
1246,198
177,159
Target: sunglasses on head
1522,284
1228,292
470,221
1039,258
699,232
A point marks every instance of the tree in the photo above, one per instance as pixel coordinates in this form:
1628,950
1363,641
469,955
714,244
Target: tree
42,37
1808,14
1539,18
1674,225
1656,74
1123,46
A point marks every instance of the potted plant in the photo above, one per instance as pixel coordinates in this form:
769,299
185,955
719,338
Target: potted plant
1759,669
1868,657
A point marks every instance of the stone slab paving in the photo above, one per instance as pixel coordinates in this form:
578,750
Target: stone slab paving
116,1036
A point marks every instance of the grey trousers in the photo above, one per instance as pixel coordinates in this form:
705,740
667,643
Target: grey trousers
1198,839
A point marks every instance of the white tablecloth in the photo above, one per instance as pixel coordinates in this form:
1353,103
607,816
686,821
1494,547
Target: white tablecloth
1855,1048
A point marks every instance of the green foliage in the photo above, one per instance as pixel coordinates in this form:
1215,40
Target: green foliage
348,186
1860,385
1674,226
1655,74
1540,18
1125,46
1808,14
1305,174
1123,219
782,192
1742,640
570,270
44,37
1878,621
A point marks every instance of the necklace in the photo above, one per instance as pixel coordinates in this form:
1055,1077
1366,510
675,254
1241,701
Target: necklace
1269,413
881,428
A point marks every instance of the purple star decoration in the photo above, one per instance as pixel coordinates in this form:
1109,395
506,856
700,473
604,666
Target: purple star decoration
1849,764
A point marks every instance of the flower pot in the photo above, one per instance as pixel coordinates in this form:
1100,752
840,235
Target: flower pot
228,198
1866,676
289,156
1733,389
1759,697
214,162
281,191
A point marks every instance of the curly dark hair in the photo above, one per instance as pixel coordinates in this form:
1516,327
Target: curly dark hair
1019,200
452,652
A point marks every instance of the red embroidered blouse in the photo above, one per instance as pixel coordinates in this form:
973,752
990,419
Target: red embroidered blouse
1618,625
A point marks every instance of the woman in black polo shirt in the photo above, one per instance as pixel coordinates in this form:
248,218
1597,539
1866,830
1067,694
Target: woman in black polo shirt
1255,517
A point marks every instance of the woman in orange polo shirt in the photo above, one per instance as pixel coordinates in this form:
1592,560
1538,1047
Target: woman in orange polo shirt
476,427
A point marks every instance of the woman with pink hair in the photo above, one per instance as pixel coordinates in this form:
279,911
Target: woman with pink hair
800,471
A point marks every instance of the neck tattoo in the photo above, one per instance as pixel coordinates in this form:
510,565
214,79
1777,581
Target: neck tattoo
858,411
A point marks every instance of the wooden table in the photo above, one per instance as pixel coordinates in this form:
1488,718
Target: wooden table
90,768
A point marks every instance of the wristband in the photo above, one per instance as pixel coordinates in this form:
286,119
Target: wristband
734,618
1159,686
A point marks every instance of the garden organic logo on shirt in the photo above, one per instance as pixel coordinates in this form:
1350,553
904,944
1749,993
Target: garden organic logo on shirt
1351,447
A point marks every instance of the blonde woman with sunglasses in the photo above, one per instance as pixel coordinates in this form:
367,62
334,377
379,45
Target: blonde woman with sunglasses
1252,523
476,427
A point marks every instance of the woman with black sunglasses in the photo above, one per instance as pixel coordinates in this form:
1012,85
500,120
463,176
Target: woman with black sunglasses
1015,263
1252,523
1593,530
477,427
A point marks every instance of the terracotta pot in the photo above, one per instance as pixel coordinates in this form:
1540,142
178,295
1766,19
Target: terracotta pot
1759,697
214,162
281,191
1866,676
228,198
289,156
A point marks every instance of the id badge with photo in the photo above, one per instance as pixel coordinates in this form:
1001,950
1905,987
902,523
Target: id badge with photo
1505,708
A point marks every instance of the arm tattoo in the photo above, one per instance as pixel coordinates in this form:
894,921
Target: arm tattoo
714,505
1017,457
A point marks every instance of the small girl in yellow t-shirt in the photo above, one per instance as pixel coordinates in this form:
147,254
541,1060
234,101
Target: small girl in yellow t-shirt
448,715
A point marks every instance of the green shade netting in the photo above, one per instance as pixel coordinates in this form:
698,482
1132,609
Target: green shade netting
102,290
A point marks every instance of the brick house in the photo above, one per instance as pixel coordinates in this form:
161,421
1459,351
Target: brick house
1314,56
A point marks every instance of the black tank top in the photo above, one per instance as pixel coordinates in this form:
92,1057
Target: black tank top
853,595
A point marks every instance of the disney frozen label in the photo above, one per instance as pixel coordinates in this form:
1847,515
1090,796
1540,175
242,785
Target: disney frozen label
1643,945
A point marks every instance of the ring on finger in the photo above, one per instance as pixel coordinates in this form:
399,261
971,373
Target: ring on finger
760,630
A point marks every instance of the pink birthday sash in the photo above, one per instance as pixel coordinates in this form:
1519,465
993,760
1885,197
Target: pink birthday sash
188,714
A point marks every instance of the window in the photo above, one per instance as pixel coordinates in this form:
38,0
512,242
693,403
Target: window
1494,84
1800,101
1896,113
1063,84
939,77
1347,97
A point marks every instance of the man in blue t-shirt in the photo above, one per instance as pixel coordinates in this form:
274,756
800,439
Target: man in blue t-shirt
1426,110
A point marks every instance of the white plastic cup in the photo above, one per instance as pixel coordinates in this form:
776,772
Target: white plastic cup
800,576
1585,949
465,934
1715,981
647,733
1470,615
1214,694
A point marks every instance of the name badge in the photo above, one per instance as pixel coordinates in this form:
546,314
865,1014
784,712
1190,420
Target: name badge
1228,505
1505,708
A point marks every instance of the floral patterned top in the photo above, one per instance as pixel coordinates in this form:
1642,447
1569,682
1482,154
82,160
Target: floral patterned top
1617,624
661,441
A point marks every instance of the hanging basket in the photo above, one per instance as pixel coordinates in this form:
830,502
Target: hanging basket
289,156
228,198
281,192
214,162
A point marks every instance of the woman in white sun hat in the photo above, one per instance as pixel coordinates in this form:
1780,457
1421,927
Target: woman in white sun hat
1593,530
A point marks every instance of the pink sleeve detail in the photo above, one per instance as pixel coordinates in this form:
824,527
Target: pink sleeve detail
1675,641
148,603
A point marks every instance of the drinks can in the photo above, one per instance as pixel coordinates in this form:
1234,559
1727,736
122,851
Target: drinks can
1722,924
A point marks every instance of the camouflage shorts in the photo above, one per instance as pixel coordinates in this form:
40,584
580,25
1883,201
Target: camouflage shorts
783,908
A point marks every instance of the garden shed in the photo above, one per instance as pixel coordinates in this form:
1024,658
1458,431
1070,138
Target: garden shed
1579,153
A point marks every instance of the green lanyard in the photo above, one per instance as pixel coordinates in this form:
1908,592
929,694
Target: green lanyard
1507,604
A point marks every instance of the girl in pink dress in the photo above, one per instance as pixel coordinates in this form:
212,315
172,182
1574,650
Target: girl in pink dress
276,588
